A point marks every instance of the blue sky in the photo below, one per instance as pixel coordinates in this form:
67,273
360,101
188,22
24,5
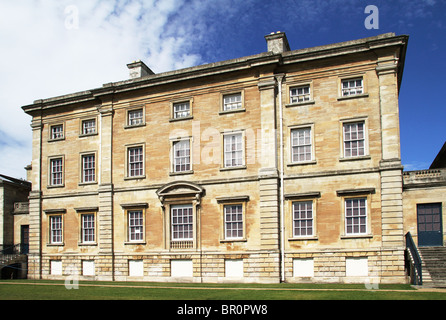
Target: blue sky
55,47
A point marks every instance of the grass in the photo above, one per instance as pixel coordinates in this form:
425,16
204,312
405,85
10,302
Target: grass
56,290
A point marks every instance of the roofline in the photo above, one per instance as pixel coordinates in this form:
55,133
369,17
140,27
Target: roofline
265,58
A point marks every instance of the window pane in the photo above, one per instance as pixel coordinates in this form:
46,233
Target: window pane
356,216
233,221
232,101
135,117
181,154
181,110
233,150
303,218
300,94
182,222
135,162
354,142
301,144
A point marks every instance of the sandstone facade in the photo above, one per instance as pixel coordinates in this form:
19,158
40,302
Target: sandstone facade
282,166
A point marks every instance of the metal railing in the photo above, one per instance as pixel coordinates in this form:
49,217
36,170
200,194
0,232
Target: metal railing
413,261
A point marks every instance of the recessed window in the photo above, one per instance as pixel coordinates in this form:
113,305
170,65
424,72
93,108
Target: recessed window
135,225
89,127
303,224
355,216
135,161
56,229
351,87
182,222
88,228
181,110
56,132
88,168
232,101
233,221
301,146
354,139
233,150
56,172
300,94
181,156
135,117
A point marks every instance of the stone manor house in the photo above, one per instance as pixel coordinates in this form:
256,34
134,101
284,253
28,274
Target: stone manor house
280,166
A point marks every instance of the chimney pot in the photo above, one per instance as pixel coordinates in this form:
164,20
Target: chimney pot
277,42
138,69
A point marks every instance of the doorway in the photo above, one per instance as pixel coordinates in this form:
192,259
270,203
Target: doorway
430,226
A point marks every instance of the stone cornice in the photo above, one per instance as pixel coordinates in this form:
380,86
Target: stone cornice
239,64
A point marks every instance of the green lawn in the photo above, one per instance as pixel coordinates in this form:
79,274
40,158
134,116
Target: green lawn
56,290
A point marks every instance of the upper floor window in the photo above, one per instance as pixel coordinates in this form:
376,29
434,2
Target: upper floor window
88,168
181,110
181,156
233,150
354,139
232,101
135,117
135,163
301,148
300,94
351,87
88,126
56,172
56,132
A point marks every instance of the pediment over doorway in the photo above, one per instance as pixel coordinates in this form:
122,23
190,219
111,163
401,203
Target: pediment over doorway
180,190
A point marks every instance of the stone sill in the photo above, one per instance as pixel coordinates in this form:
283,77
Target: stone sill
357,236
297,104
363,95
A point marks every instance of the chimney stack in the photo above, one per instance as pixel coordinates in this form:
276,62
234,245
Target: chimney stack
277,42
138,69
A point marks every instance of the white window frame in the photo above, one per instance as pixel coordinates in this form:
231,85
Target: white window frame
350,87
88,228
300,97
308,134
56,229
238,153
88,127
238,221
88,170
129,163
177,225
132,120
181,110
53,180
298,223
186,158
135,225
361,217
232,101
354,140
57,132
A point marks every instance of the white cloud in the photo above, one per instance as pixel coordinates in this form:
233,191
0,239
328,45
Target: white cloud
50,48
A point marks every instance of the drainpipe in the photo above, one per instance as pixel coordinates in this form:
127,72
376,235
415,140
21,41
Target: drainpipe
282,201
